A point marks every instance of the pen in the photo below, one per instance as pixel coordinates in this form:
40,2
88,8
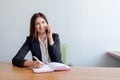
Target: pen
36,58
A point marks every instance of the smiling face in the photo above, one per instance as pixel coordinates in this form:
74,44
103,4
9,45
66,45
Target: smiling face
40,25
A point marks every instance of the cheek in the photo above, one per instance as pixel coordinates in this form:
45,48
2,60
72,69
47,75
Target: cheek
37,28
46,24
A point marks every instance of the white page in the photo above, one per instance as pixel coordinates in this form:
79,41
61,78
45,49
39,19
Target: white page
58,66
44,68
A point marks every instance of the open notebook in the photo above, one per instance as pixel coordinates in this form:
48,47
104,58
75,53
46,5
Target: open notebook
50,67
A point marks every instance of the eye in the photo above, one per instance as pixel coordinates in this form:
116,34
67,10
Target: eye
37,23
43,22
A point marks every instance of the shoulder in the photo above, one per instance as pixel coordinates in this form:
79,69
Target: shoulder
55,35
29,39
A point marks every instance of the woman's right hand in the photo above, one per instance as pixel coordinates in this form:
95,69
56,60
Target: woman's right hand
37,64
33,64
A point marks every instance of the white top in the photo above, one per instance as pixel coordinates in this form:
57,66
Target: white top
44,51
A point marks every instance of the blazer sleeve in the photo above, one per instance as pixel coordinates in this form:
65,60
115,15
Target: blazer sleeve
18,59
56,48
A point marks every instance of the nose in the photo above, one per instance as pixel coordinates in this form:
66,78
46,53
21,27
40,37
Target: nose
43,25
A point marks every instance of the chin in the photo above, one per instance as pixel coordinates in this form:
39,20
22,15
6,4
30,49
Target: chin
41,32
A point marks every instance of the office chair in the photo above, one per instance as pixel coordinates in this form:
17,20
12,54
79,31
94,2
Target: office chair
64,53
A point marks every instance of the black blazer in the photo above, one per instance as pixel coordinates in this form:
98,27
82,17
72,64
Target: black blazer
34,47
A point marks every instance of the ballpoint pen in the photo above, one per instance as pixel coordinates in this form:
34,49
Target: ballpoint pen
36,58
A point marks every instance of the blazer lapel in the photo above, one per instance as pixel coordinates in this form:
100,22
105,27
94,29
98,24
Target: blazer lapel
37,49
50,51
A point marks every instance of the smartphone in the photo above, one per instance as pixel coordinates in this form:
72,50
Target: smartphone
46,31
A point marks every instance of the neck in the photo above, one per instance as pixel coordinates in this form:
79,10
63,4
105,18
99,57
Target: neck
42,37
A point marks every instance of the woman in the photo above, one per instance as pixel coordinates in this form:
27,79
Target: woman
42,42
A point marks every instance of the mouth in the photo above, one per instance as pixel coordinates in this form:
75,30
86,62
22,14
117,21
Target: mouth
42,30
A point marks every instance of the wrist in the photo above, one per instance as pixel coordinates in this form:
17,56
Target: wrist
51,41
28,63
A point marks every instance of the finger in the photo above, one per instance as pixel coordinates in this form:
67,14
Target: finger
37,65
39,62
48,26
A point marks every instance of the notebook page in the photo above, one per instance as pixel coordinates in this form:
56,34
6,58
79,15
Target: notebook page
44,68
58,66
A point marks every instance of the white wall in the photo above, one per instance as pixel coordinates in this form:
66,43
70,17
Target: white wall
89,27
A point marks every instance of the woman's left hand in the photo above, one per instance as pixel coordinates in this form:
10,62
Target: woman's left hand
49,34
49,31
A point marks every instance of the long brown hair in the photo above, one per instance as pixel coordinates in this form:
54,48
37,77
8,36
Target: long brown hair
33,32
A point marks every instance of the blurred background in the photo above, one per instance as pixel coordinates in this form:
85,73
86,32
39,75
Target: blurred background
90,28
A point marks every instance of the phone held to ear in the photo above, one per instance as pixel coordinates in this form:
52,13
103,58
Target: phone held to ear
46,31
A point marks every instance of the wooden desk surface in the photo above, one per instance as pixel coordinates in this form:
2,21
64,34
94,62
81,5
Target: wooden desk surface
10,72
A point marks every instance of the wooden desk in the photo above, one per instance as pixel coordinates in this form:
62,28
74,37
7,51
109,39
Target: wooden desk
9,72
